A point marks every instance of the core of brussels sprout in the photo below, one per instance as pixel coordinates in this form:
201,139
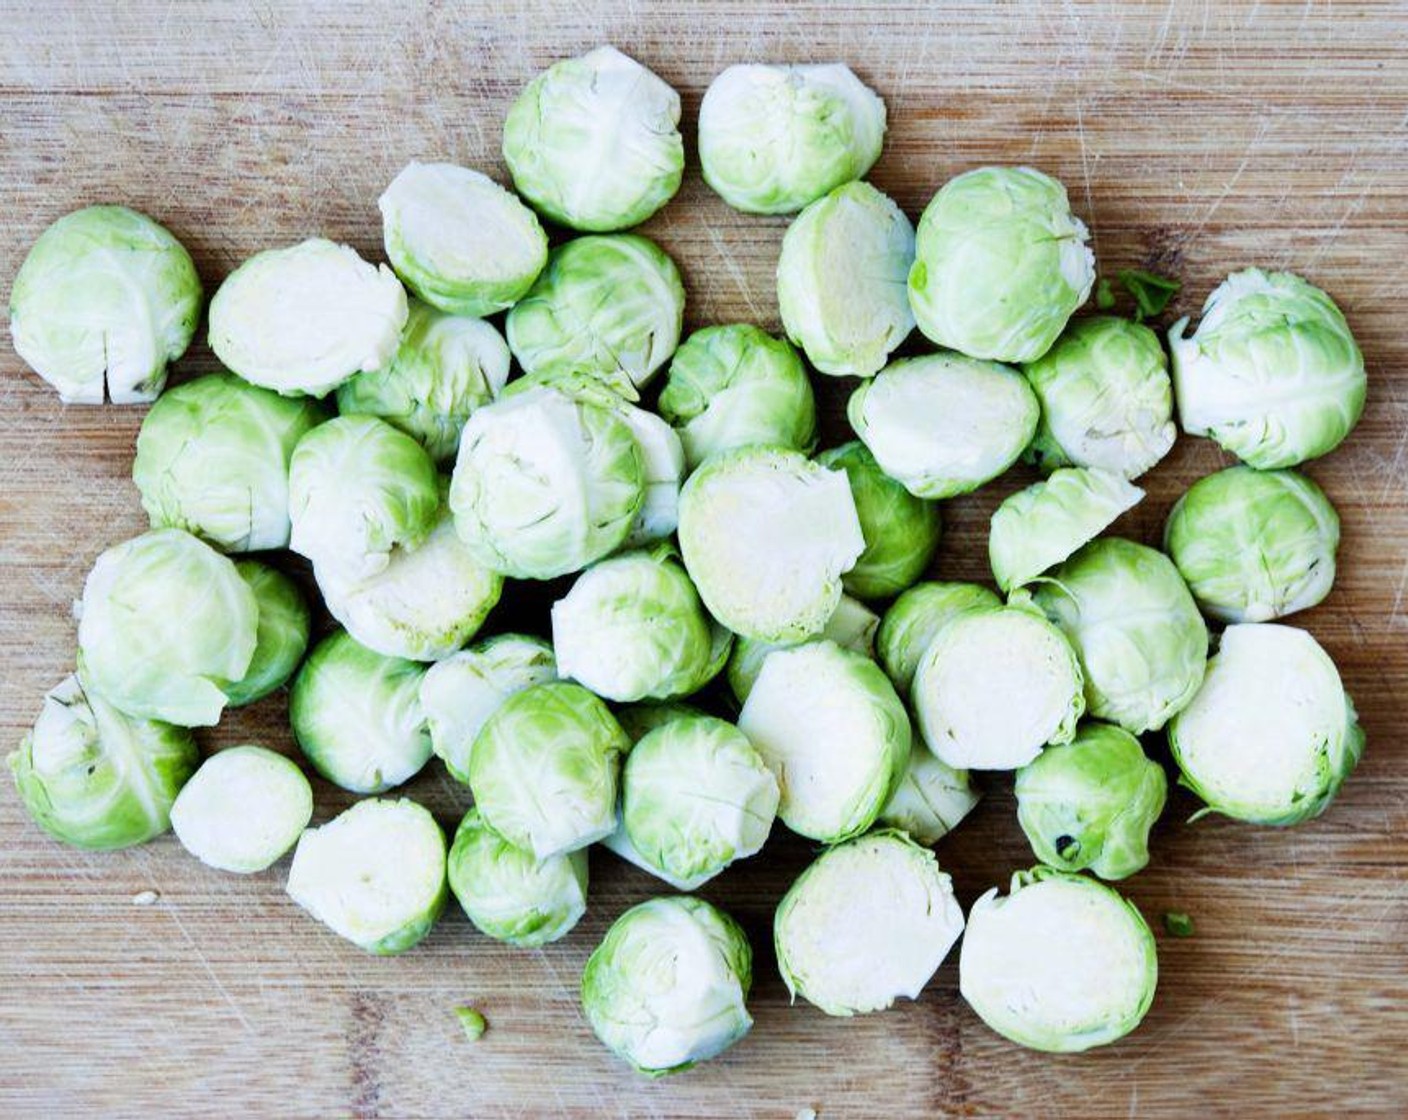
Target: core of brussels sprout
1062,964
104,300
305,318
668,985
1254,545
773,138
1000,264
909,626
1272,373
931,799
96,778
851,626
944,424
280,635
1271,735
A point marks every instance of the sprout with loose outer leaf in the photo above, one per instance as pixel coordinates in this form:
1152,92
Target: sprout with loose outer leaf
851,626
1000,264
913,620
104,300
96,778
869,922
1254,545
931,799
1271,735
280,636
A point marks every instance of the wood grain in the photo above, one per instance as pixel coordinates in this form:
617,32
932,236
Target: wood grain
1194,138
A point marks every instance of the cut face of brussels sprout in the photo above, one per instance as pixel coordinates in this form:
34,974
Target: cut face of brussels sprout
608,307
1062,964
851,626
213,457
1000,264
357,716
1271,735
774,138
1272,373
243,809
96,778
1254,545
1141,642
841,280
1106,398
306,318
544,769
912,621
1037,528
1091,802
766,535
594,143
374,874
166,625
667,987
461,692
104,300
944,424
733,386
931,799
459,240
829,726
280,636
508,893
994,687
866,924
445,368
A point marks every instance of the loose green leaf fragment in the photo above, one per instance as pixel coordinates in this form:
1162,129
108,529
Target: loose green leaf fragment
1151,293
473,1022
1178,923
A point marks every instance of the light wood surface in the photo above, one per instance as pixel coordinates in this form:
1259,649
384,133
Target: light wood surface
1194,139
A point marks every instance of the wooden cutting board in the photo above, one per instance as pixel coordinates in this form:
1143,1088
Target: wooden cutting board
1194,139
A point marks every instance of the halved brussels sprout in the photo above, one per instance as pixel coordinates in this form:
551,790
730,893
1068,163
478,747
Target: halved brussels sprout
931,799
104,300
1000,265
773,138
1272,373
869,922
305,318
909,626
851,626
280,635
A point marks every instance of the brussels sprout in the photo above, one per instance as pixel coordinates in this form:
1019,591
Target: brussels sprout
1141,642
305,318
944,424
357,715
1272,373
851,626
357,488
931,799
667,987
841,280
735,385
445,368
1037,528
868,922
1062,964
1000,264
461,692
104,300
280,634
611,307
543,769
96,778
166,626
243,809
766,535
1254,545
511,895
545,484
594,143
994,687
909,626
773,138
1106,398
460,241
374,874
1271,735
1091,803
828,724
901,531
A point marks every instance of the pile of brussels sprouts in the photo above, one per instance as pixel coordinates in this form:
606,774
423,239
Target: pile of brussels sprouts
369,423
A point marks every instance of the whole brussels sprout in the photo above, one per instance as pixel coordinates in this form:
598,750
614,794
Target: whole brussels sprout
932,798
1000,264
851,626
280,634
909,626
104,300
773,138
